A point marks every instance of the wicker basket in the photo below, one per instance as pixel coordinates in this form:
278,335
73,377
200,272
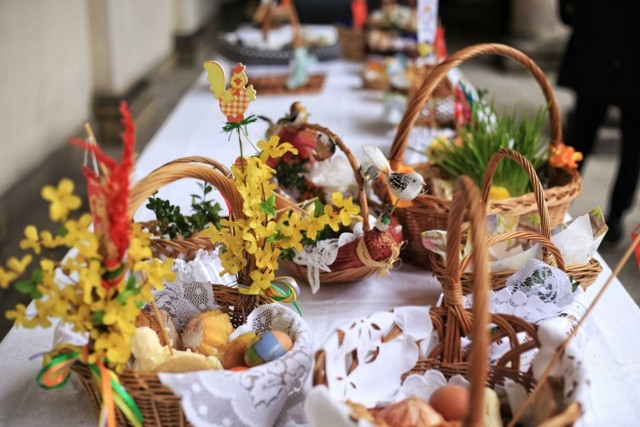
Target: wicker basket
353,42
356,252
158,405
452,322
184,248
586,273
430,212
276,84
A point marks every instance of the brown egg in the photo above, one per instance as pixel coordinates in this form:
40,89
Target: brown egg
411,412
451,401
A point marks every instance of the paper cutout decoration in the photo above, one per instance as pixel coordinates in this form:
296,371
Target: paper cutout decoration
235,100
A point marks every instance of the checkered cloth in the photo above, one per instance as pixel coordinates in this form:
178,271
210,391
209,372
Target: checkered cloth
235,109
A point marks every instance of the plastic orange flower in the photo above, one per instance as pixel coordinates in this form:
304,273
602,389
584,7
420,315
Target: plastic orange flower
564,156
62,199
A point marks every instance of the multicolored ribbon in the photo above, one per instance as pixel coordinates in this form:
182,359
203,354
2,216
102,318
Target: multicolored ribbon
57,371
284,289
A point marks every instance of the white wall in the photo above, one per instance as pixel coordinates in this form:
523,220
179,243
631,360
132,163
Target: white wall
191,15
129,39
45,80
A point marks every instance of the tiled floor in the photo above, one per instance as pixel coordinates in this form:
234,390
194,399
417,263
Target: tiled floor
510,89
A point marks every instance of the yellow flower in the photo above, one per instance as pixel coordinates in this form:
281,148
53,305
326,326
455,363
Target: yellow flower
19,266
348,209
31,241
48,241
114,346
62,199
497,192
6,277
267,257
274,148
312,226
138,250
250,244
159,271
329,219
260,280
19,315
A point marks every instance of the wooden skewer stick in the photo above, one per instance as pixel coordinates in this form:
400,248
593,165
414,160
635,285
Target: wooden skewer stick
163,331
563,346
156,313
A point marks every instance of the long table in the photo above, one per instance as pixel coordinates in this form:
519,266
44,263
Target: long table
193,128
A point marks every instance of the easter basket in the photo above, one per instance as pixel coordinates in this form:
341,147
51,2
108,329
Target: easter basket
353,42
276,84
372,252
585,274
430,212
392,355
177,399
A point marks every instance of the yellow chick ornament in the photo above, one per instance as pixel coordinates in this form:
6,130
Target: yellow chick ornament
235,100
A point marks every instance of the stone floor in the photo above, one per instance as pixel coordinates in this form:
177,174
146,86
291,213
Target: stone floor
509,88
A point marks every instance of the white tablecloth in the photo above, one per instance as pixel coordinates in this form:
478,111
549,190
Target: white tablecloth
612,348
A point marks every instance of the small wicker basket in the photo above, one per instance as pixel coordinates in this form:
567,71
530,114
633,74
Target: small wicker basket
353,42
354,261
452,322
429,212
157,403
276,84
586,274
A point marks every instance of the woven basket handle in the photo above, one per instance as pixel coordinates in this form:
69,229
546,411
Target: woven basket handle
465,195
555,256
416,103
536,185
353,162
179,169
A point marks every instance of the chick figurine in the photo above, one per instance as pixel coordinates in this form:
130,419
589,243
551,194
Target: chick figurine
234,100
403,186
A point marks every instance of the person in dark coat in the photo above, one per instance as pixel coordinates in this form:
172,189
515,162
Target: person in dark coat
602,66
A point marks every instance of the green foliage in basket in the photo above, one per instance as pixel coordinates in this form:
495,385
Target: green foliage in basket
483,136
173,223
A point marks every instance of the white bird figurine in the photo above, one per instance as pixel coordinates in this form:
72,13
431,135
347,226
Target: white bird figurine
404,186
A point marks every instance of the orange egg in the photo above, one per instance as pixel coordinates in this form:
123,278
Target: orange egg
451,401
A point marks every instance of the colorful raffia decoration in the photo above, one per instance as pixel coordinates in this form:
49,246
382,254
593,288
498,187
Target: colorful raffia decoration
101,285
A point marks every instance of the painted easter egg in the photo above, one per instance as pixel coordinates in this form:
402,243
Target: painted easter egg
269,346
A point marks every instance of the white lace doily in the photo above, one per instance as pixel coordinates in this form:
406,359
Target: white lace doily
255,397
536,292
319,257
380,364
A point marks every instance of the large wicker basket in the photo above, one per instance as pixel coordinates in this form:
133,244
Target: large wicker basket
586,274
452,322
357,252
429,212
158,405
